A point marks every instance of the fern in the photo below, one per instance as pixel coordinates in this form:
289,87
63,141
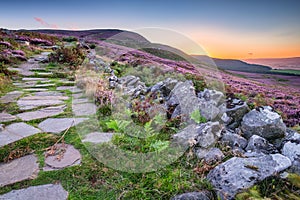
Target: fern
197,117
118,125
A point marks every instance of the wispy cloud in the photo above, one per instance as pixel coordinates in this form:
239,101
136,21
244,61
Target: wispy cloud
44,23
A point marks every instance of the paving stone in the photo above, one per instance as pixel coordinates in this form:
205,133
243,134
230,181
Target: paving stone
49,93
59,160
35,89
73,89
34,79
11,97
84,109
6,117
58,125
78,95
20,169
81,100
44,85
15,132
44,73
41,192
31,102
33,98
42,113
98,137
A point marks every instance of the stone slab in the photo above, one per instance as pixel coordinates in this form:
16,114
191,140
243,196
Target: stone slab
42,113
6,117
84,109
11,97
48,93
70,88
20,169
25,104
34,79
70,157
58,125
98,137
41,192
15,132
35,89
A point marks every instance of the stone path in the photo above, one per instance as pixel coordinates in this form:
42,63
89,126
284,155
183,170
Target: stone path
41,192
40,97
18,170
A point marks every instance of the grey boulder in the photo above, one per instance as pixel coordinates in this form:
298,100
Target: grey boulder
263,122
238,174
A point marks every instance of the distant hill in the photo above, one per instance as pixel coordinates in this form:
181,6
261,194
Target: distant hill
277,63
234,65
121,37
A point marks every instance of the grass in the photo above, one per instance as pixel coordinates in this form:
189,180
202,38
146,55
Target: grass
287,71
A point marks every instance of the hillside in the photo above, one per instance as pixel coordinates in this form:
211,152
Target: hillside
277,63
235,65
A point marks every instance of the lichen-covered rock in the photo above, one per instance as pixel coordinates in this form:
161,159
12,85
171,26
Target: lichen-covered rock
237,174
291,149
263,122
235,110
213,156
210,103
204,136
233,140
259,144
208,134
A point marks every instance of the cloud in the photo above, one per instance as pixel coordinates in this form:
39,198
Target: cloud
250,54
44,23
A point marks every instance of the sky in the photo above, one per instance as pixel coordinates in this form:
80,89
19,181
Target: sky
223,28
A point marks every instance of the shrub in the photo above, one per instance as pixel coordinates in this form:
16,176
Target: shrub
71,56
198,81
70,39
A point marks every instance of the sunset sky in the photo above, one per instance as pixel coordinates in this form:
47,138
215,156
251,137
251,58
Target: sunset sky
224,28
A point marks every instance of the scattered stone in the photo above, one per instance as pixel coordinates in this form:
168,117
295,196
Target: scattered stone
203,195
184,98
204,135
237,174
164,87
186,137
234,140
208,134
291,150
97,137
41,192
65,156
235,110
6,117
20,169
84,109
15,132
259,144
213,156
263,122
42,113
11,97
57,125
